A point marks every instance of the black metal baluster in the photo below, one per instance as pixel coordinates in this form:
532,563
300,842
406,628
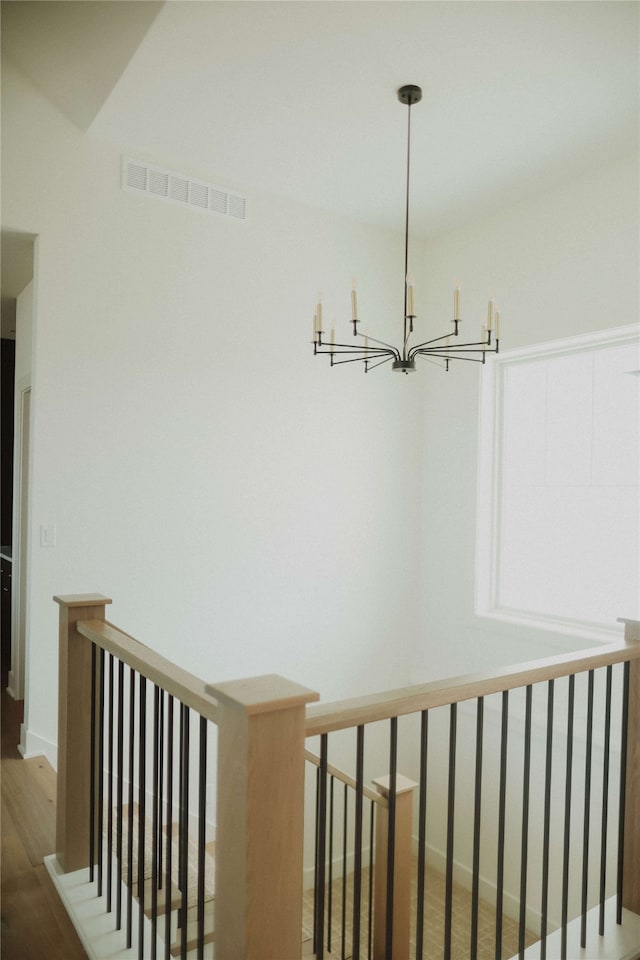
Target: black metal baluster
184,829
501,822
315,864
451,801
357,866
110,786
142,760
100,768
476,830
587,812
330,884
623,786
524,846
547,822
180,796
92,769
168,884
154,822
422,832
132,728
120,764
160,788
567,819
371,845
344,874
202,813
605,801
391,840
321,852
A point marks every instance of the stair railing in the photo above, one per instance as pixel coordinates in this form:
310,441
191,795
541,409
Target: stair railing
262,726
419,703
104,740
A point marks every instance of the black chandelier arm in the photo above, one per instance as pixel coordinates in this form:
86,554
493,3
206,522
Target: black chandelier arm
389,346
334,363
419,346
424,348
356,355
443,356
379,363
347,348
351,348
459,350
364,360
435,360
359,354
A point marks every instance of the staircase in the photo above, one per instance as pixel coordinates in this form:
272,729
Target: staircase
169,903
81,897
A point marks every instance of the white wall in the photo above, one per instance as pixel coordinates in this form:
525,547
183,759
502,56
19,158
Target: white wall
248,509
563,265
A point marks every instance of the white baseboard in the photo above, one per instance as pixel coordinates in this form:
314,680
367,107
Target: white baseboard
462,874
487,889
32,745
11,686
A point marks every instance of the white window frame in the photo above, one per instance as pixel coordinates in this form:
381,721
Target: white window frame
489,495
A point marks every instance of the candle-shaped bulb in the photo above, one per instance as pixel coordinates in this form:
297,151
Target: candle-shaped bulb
354,302
315,324
490,314
410,309
456,303
319,313
497,325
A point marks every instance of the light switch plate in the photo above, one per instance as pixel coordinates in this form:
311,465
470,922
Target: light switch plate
47,535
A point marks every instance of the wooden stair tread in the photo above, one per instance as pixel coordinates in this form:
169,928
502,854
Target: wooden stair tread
175,899
192,928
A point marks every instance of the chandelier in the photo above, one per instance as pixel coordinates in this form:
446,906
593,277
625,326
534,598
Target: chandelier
441,350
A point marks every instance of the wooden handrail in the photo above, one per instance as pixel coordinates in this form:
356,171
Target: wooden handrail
181,684
346,779
325,718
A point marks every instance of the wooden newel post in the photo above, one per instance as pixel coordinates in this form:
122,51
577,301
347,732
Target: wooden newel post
74,730
401,869
631,872
260,818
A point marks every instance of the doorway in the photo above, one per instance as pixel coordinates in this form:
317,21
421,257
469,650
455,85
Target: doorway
18,258
16,678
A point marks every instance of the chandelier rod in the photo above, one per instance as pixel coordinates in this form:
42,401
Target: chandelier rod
406,225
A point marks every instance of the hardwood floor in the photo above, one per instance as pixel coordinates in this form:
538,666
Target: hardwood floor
35,925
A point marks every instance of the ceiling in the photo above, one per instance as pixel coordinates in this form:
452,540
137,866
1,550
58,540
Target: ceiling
299,98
